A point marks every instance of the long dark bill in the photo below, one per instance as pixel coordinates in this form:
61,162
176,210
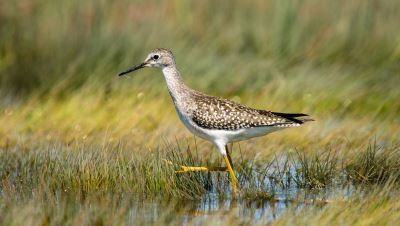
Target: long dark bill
137,67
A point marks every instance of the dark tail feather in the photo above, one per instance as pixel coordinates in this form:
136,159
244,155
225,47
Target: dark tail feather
294,117
290,115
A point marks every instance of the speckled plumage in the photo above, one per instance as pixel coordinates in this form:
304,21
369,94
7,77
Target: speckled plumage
216,113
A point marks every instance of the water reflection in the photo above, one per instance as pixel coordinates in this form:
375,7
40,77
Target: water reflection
257,209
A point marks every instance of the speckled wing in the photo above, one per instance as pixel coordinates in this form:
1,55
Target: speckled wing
217,113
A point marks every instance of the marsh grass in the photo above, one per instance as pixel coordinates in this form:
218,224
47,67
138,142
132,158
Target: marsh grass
82,169
87,169
315,171
80,147
58,184
374,165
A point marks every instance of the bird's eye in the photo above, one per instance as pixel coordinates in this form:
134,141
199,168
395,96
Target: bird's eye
155,57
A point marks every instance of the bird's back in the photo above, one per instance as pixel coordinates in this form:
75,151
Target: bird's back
216,113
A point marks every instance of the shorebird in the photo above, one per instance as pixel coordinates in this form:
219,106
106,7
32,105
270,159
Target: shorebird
215,119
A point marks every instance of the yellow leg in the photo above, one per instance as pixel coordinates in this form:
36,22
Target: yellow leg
192,169
231,173
200,168
185,169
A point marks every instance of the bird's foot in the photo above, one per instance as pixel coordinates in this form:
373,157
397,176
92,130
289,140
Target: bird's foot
185,169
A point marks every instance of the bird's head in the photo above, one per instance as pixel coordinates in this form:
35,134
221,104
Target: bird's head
159,58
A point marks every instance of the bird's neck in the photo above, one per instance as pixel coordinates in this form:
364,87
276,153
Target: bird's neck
175,84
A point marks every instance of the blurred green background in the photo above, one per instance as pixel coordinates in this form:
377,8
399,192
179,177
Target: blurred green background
67,44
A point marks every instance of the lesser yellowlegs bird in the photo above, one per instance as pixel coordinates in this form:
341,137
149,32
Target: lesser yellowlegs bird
215,119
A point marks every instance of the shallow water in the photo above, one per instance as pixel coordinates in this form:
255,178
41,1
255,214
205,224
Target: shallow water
256,209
